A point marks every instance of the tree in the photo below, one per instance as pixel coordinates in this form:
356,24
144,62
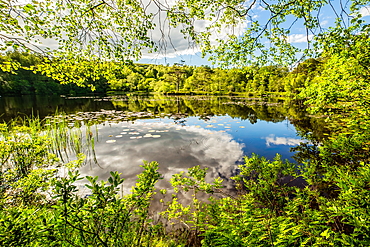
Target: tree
200,79
219,80
301,76
268,42
343,84
115,30
178,72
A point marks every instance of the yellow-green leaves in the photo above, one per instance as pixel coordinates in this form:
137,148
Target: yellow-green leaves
9,66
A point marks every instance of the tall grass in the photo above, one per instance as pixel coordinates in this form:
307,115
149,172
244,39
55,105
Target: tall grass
64,138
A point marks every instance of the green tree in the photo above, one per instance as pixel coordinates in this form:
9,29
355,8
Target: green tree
200,79
301,76
218,80
178,74
118,31
134,80
235,80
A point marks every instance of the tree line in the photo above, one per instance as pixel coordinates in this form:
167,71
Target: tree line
177,79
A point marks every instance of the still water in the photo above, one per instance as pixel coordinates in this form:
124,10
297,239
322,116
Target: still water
178,132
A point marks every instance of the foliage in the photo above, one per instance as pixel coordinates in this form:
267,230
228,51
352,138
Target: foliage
99,219
89,33
26,166
178,79
269,211
28,81
30,153
343,84
341,93
103,218
96,42
316,80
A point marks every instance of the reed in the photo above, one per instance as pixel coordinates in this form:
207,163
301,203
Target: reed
65,139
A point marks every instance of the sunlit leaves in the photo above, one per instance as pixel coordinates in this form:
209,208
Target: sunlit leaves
342,84
117,29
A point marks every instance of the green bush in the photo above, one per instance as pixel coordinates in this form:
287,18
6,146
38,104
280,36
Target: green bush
268,211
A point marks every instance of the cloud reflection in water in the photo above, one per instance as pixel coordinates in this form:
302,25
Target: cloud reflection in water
177,149
272,139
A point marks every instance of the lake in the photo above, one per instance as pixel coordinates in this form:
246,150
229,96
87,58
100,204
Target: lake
177,131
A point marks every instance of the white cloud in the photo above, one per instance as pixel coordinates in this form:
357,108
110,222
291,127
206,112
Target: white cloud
275,140
324,23
365,11
299,38
172,43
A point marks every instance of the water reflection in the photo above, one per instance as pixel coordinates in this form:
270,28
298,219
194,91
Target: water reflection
178,132
252,109
276,140
175,147
218,142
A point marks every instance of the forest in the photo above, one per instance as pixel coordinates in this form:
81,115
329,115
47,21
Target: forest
175,79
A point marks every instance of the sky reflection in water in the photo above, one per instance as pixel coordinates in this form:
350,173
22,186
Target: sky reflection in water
219,143
204,135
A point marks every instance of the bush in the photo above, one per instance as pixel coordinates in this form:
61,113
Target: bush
268,211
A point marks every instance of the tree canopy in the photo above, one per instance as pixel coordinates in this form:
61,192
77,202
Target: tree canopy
122,30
